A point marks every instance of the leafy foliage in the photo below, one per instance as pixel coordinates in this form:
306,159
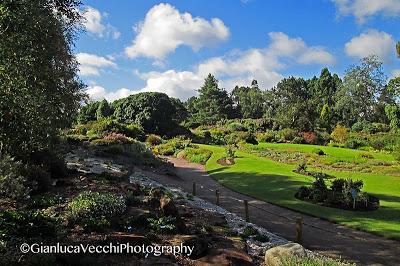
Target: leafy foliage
94,211
40,92
12,183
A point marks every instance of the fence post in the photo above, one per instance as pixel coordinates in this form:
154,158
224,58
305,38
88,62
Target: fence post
194,189
217,195
299,230
246,210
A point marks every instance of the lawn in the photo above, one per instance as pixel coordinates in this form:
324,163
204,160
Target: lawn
275,182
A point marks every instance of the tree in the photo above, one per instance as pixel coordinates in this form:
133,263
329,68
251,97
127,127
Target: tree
360,92
103,110
181,113
392,109
291,104
323,91
88,112
154,111
398,49
40,92
248,101
213,103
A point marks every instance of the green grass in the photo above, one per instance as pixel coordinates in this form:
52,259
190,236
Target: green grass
275,182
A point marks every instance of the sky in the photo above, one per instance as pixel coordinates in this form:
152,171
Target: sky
128,46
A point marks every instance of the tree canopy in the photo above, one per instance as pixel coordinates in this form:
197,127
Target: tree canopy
40,92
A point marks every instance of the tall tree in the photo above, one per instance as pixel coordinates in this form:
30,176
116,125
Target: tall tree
213,103
248,101
103,110
398,49
323,91
292,106
39,89
360,92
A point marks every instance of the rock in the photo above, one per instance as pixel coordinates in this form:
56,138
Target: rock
200,245
226,257
274,256
168,206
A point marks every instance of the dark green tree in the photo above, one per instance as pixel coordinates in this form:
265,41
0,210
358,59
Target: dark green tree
213,103
40,92
103,110
154,111
323,91
291,104
248,101
88,112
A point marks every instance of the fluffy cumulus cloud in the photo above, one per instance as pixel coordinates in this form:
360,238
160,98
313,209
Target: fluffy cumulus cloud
372,42
362,9
90,64
93,23
234,68
396,73
97,93
165,28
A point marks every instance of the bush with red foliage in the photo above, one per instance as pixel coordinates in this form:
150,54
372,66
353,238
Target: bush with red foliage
309,137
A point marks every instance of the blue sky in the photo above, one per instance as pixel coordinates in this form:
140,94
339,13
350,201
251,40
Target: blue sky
133,46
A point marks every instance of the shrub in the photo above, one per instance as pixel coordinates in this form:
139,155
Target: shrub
267,136
233,127
45,201
301,168
323,138
108,125
340,134
195,155
319,151
112,139
12,182
25,224
39,178
165,224
153,140
240,137
287,134
309,137
93,210
51,162
354,143
172,146
298,140
249,231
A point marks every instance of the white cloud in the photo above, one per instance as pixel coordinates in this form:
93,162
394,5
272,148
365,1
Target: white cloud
90,64
93,22
396,73
97,93
235,68
165,28
372,42
362,9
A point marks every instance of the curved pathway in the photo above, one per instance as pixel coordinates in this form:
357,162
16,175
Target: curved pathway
319,235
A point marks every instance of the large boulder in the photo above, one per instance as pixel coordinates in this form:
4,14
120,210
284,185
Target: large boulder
274,256
168,206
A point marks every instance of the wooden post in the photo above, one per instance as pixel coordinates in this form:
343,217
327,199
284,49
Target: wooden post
299,230
194,189
246,210
217,195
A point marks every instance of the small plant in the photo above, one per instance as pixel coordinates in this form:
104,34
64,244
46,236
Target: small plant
230,151
319,152
12,182
46,201
94,211
153,140
249,231
165,224
301,168
261,238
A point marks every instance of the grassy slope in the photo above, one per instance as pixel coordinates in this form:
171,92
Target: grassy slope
275,182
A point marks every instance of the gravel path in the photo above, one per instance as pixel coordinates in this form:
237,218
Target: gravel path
319,235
